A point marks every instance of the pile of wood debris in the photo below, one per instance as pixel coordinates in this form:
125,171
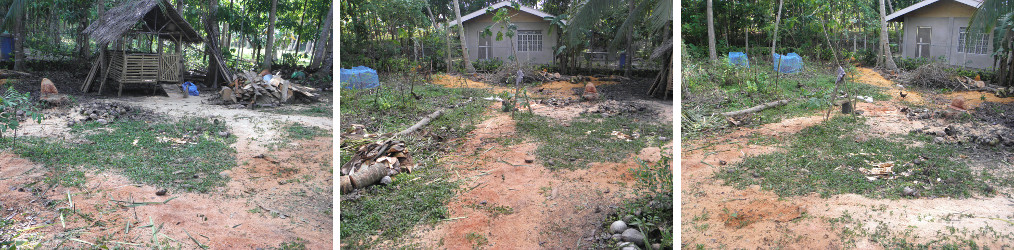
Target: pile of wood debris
251,89
372,162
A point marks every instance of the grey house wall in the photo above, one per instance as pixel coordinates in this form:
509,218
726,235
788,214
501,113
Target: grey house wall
945,19
502,49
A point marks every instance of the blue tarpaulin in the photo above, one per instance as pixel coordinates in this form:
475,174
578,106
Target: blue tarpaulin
739,59
359,77
790,63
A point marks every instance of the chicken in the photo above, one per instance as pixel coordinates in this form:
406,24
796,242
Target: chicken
902,94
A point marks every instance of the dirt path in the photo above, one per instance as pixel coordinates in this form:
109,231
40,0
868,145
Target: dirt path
518,205
715,215
283,197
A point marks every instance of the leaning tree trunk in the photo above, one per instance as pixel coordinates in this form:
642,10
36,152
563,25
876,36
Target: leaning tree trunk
325,35
888,58
461,35
269,49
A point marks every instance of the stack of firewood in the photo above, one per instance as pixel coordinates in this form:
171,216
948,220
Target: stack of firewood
251,89
372,162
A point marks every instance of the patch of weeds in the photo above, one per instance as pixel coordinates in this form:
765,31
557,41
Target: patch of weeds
826,159
186,154
588,139
393,210
298,131
654,188
297,244
493,210
477,240
390,110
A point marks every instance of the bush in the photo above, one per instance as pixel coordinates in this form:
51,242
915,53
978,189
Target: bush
488,65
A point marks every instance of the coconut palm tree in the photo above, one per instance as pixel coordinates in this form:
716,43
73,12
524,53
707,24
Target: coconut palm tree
997,16
586,13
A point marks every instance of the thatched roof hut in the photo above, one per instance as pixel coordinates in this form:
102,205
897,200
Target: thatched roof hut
131,27
161,19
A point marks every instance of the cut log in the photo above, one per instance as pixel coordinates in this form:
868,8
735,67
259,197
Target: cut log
369,175
421,123
757,108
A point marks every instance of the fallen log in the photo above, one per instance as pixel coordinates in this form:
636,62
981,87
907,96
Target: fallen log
421,123
756,108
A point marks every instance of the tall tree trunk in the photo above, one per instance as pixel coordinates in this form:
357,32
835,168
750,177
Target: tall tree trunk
461,35
269,49
447,40
711,34
320,46
19,42
778,21
83,51
212,22
630,42
888,59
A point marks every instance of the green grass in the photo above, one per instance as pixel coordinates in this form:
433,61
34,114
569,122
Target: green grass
142,151
719,88
391,211
298,131
389,109
420,197
587,140
825,159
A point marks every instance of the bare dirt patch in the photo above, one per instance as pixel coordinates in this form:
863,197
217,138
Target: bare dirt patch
519,205
281,197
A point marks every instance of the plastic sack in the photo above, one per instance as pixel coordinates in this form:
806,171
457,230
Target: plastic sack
267,78
359,77
789,63
190,88
739,59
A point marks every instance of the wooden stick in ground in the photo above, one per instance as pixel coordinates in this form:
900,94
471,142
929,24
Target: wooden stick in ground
421,123
757,108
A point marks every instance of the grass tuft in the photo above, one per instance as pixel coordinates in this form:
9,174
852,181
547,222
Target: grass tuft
186,154
826,159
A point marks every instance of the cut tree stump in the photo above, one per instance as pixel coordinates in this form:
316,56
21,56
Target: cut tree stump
756,108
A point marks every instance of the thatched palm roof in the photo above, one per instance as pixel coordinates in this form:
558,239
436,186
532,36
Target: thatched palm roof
164,20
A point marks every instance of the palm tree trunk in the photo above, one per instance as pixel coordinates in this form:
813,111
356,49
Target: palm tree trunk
711,34
269,49
461,35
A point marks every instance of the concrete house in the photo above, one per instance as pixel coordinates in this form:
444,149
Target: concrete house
533,42
937,28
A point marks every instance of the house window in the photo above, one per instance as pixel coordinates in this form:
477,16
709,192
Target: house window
485,49
529,40
979,44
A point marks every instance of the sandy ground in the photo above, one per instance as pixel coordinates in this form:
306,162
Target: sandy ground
806,222
268,201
